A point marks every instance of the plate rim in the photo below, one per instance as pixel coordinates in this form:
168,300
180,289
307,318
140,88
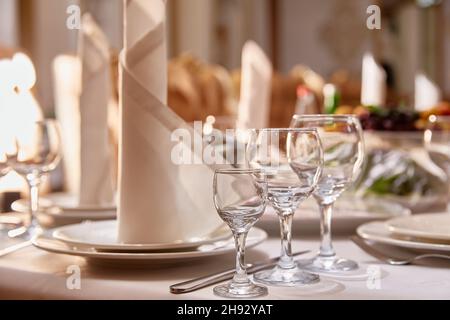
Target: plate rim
133,246
417,233
361,231
141,256
22,203
84,215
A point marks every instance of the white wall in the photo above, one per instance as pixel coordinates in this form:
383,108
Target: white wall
406,51
197,23
51,36
109,15
8,27
194,27
446,36
309,31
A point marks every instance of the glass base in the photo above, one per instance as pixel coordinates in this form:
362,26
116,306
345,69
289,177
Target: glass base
233,290
286,277
5,227
25,233
328,265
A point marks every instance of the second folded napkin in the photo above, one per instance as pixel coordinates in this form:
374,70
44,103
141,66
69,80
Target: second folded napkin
82,93
256,82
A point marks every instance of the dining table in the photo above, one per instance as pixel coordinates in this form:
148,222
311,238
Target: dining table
31,273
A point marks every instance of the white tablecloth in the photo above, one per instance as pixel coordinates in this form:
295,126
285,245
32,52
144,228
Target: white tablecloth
34,274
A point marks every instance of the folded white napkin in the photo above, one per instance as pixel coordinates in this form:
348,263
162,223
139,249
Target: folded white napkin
82,93
67,82
427,93
373,85
256,79
159,201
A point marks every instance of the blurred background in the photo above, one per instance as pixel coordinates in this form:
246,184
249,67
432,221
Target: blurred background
317,50
327,36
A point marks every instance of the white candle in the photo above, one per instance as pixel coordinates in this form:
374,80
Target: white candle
427,93
373,86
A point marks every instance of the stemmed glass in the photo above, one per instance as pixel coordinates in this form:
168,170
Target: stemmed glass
4,169
292,161
437,144
343,148
37,152
240,198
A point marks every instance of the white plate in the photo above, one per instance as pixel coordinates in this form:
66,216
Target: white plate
349,213
59,209
48,243
429,226
65,201
379,232
102,235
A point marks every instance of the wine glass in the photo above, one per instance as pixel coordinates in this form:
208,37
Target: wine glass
37,152
292,161
4,169
240,198
437,145
343,148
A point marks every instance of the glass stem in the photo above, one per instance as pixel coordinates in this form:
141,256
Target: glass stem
34,181
326,248
286,261
447,172
240,276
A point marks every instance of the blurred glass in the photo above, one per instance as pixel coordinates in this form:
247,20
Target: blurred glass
437,144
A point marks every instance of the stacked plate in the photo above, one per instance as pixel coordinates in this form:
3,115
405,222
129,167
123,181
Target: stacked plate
97,242
62,208
423,232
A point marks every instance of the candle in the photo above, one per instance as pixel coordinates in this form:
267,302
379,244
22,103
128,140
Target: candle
427,93
373,86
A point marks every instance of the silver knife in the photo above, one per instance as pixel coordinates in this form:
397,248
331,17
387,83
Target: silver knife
15,247
205,281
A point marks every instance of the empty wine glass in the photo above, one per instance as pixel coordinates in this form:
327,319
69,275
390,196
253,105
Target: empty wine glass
437,144
37,153
4,169
240,198
343,149
292,161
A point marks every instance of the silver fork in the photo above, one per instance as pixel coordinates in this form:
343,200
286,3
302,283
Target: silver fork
391,260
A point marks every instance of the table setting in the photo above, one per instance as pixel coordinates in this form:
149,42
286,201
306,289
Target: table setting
320,208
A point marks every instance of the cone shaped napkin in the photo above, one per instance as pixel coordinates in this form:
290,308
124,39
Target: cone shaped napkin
82,92
159,201
254,105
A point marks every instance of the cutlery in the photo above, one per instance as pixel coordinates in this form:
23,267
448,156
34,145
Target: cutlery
14,248
361,243
205,281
